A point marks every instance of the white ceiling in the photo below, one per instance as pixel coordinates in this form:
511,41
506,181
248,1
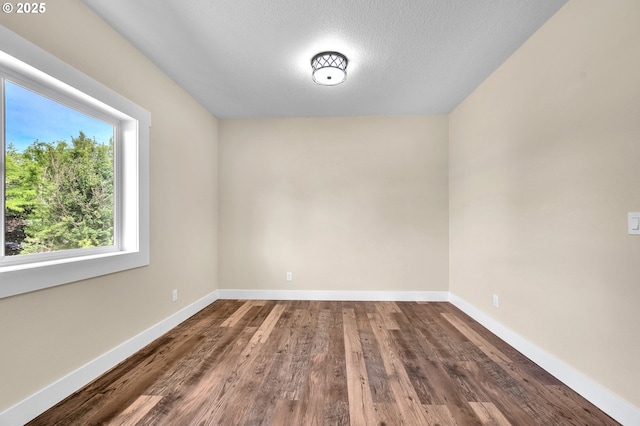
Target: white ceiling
251,58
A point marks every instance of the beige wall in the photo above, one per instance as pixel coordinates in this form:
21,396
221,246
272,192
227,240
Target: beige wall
343,203
47,334
544,166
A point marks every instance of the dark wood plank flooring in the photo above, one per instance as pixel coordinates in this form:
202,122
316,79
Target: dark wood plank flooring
326,363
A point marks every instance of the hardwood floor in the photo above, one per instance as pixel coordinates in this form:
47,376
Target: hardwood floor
326,363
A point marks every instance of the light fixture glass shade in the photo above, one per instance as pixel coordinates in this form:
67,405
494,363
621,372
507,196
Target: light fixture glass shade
329,68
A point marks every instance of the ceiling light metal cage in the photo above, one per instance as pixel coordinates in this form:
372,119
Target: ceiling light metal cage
329,68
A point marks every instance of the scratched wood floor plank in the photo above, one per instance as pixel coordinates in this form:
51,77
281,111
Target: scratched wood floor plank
254,362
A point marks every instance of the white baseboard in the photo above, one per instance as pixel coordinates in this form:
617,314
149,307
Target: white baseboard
39,402
616,407
356,296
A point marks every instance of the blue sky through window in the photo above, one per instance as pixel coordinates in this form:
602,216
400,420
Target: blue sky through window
30,116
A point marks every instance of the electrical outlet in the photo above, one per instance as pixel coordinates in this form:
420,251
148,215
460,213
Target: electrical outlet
289,276
174,295
495,300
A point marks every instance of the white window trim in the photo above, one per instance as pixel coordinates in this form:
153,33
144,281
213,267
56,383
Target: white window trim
34,63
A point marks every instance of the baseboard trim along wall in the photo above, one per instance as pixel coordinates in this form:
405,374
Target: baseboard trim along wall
358,296
36,404
616,407
26,410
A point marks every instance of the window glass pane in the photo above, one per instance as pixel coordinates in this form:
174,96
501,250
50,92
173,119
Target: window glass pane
59,176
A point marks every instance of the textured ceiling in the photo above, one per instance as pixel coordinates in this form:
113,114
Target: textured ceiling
251,58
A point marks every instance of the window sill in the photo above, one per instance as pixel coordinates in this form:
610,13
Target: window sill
24,278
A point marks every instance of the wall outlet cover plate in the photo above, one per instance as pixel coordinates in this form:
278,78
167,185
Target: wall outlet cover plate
633,223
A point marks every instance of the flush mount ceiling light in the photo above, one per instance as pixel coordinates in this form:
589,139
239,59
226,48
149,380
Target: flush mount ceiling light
329,68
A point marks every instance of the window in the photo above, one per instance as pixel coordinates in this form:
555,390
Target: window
59,189
74,173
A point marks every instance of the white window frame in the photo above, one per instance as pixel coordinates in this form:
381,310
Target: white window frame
36,68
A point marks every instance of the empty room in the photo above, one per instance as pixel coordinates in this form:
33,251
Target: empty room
356,212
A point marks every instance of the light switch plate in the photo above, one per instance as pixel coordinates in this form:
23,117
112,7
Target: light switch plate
633,223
